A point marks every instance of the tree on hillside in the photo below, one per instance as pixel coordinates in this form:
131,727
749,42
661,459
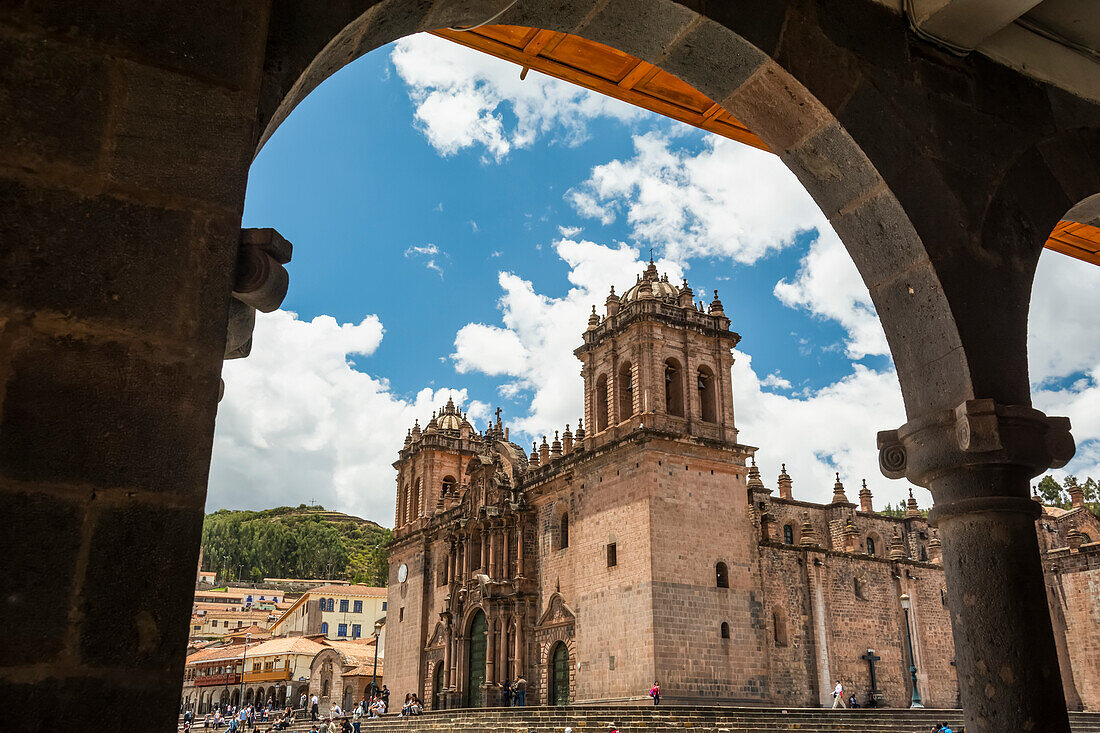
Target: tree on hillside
286,542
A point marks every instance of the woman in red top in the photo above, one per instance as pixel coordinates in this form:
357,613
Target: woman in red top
655,692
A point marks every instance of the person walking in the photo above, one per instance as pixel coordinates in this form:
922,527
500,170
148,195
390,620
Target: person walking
302,702
313,703
838,696
521,691
655,692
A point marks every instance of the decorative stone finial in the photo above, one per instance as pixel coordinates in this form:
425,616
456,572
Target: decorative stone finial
594,319
865,498
544,451
935,548
808,537
838,491
580,434
1076,494
1074,538
784,483
851,536
897,546
567,440
534,458
913,510
716,306
754,476
555,447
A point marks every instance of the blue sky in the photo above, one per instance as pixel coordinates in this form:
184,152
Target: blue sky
452,226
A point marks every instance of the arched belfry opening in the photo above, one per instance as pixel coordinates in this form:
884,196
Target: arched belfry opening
706,385
674,387
626,391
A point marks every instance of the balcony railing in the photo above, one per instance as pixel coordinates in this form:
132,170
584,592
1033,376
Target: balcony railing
267,675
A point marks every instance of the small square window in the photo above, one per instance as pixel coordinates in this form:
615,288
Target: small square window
358,607
343,605
612,555
384,605
356,631
342,630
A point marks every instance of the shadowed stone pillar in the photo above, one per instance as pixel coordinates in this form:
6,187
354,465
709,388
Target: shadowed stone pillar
491,651
126,133
978,460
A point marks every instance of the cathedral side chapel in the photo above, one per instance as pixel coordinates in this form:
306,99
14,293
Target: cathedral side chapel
648,547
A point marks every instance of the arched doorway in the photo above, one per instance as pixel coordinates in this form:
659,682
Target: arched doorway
558,675
437,686
475,687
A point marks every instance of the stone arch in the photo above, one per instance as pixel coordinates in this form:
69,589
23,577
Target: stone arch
722,575
674,387
447,486
874,545
600,400
624,389
707,386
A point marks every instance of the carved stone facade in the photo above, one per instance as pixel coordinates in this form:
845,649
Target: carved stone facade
651,549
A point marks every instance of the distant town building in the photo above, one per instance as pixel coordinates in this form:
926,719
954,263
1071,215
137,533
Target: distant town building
335,612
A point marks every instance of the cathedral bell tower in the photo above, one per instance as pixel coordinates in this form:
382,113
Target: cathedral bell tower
658,360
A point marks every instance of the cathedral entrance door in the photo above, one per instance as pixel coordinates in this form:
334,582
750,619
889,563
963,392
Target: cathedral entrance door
437,686
475,689
559,675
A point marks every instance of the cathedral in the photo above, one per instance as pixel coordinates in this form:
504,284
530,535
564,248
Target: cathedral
648,547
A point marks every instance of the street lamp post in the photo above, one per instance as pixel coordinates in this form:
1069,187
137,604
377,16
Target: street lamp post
374,674
244,663
914,701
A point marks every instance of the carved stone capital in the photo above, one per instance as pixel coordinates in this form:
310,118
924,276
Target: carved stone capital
977,433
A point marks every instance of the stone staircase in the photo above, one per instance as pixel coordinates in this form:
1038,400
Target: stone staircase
632,719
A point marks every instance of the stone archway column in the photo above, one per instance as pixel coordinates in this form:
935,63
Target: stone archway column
447,658
977,461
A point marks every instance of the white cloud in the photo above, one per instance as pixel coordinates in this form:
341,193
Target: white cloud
775,380
1064,342
466,99
732,201
427,249
431,254
829,286
569,232
727,200
298,422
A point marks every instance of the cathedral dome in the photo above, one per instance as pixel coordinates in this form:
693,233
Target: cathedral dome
651,285
449,418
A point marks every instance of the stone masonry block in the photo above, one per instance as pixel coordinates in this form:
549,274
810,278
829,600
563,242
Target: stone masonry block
42,568
777,108
832,168
139,625
639,29
100,415
713,59
221,40
182,136
94,257
53,102
53,704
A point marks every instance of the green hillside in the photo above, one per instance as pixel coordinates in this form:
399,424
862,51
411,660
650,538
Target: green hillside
295,542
